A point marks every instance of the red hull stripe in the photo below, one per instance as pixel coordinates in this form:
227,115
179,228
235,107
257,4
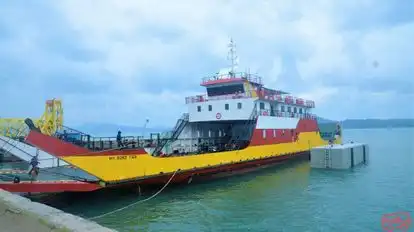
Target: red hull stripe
49,187
57,147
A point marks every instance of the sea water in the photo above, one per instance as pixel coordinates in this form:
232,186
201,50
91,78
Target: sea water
292,197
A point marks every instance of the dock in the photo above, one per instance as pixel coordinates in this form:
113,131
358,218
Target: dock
21,214
339,156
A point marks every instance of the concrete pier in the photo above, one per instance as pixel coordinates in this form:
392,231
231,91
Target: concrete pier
339,156
18,214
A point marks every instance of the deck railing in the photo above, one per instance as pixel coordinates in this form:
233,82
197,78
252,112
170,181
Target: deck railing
205,97
277,113
232,76
289,100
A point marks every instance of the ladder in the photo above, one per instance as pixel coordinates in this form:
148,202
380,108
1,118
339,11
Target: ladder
327,157
178,128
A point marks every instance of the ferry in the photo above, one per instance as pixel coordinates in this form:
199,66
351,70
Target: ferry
238,125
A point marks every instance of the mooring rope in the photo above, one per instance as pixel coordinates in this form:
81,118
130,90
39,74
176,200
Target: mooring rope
137,202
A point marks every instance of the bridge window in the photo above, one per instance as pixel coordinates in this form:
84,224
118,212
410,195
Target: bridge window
282,108
239,105
274,133
225,90
210,107
199,108
300,110
264,133
289,109
295,110
226,106
262,106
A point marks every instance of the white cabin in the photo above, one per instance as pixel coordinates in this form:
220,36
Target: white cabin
235,96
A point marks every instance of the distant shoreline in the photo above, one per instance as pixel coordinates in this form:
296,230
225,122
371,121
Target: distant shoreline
377,123
369,128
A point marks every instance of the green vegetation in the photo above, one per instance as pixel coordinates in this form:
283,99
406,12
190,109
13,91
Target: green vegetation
377,123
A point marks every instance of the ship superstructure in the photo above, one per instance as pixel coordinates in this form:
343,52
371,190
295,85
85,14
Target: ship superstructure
225,116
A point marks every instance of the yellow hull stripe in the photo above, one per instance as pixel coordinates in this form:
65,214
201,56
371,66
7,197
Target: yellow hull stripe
118,168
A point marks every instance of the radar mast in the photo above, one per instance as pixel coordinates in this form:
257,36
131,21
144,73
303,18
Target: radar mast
232,57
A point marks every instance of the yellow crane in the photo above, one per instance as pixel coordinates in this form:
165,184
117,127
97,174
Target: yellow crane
50,122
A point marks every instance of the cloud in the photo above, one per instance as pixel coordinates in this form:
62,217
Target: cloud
124,61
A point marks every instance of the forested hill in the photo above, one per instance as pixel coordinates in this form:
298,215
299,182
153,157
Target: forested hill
377,123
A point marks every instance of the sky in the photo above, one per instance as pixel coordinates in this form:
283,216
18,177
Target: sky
127,61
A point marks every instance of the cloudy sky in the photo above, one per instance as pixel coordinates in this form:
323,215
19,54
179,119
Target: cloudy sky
124,61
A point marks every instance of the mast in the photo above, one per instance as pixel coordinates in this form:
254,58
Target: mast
232,56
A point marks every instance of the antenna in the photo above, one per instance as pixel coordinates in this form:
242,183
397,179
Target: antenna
145,127
232,55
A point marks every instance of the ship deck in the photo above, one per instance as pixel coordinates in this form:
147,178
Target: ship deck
49,180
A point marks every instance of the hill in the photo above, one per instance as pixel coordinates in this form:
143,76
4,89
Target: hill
377,123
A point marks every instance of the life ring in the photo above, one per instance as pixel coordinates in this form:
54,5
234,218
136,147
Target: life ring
264,113
218,116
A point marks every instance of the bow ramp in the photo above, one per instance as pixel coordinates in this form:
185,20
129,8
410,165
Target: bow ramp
26,152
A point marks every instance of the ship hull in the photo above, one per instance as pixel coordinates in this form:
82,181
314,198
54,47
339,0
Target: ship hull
223,171
180,178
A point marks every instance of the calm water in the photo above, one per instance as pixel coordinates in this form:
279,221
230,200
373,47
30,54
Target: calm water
291,197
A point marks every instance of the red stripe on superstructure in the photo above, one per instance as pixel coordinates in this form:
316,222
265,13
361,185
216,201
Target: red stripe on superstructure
49,186
57,147
307,125
282,135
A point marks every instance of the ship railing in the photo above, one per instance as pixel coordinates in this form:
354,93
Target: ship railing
310,103
205,97
276,113
232,76
202,145
15,133
105,143
289,100
270,97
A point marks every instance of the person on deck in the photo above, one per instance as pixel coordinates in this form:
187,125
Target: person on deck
119,139
65,135
34,162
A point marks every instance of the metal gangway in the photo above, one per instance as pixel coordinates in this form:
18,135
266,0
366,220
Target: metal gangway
25,152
